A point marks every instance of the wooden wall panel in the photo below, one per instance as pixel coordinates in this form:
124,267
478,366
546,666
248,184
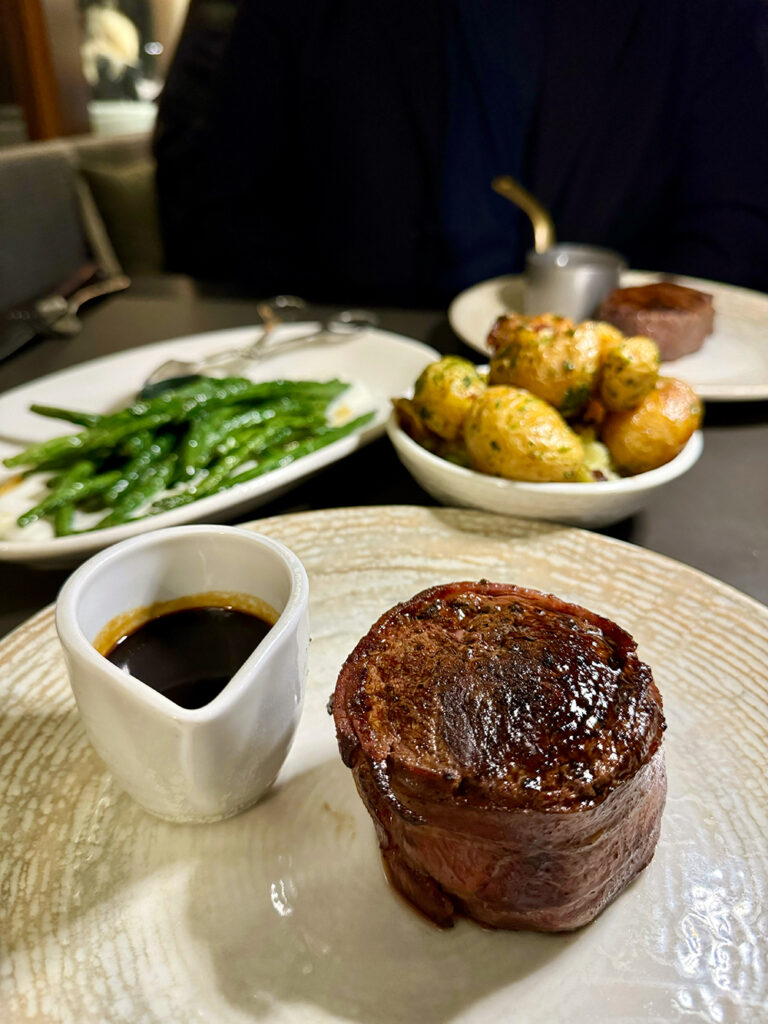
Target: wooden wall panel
43,38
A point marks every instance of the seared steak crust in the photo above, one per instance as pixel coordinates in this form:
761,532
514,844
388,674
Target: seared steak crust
508,747
677,318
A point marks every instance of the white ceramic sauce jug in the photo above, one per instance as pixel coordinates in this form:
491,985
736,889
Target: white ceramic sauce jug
202,764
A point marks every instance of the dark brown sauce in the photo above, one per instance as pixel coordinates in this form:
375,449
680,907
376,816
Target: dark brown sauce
188,649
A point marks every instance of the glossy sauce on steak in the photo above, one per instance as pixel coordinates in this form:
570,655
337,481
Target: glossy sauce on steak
508,747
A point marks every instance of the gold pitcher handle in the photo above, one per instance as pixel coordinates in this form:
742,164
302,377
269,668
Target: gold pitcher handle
543,227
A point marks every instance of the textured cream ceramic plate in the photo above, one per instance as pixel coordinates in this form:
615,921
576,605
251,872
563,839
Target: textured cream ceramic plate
732,364
284,914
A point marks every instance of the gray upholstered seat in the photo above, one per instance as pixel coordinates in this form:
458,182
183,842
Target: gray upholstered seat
50,225
42,237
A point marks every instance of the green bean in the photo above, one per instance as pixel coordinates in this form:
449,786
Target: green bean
212,392
166,408
137,443
80,471
180,404
285,452
79,485
132,471
170,407
93,503
154,479
83,419
201,437
87,441
258,441
222,426
62,464
196,390
296,449
252,446
304,423
63,519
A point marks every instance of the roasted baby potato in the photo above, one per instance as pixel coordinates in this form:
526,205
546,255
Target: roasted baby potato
609,335
629,373
511,433
506,327
656,431
444,394
558,363
593,414
410,421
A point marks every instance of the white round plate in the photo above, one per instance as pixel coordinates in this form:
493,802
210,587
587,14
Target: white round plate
379,364
284,914
589,504
731,365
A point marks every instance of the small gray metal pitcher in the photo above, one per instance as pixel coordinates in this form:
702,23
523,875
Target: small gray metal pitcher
569,279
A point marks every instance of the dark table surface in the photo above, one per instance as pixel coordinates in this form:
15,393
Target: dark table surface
714,518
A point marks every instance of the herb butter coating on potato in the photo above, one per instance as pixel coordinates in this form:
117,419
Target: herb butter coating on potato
506,327
444,393
559,363
629,373
511,433
609,335
652,434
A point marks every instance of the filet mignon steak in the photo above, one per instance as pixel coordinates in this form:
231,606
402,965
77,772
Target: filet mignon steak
677,318
508,746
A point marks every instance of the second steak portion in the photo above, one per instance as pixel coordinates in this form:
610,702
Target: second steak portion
508,747
677,318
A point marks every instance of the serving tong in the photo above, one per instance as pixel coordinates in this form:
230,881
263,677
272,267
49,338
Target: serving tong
274,312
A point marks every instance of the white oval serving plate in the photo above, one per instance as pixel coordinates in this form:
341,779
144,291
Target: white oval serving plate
378,363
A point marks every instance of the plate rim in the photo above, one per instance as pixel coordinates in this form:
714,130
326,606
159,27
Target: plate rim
519,522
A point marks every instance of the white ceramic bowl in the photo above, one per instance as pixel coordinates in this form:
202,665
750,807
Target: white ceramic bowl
596,504
184,764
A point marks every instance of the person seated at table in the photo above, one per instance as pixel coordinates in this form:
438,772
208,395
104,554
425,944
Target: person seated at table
345,150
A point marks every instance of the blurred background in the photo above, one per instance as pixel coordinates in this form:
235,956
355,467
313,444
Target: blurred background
344,151
83,66
179,159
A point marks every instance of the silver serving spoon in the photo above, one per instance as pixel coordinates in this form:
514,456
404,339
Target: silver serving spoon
274,312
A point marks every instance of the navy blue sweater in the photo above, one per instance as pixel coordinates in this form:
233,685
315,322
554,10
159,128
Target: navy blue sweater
313,155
